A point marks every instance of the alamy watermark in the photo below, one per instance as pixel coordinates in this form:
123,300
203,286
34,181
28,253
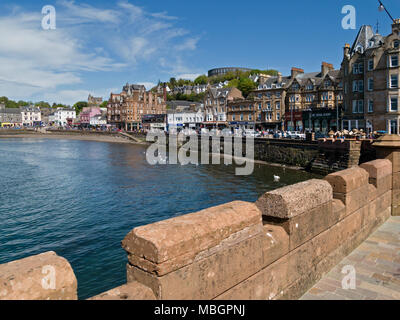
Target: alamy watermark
185,149
49,280
349,280
49,20
349,20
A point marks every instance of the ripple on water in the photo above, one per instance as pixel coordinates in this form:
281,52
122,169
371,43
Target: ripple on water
80,198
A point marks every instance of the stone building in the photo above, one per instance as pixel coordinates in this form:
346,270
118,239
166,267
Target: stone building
216,103
269,101
299,102
370,69
126,110
10,117
94,101
315,93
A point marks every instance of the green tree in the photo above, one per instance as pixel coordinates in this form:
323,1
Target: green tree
203,79
104,104
79,106
246,85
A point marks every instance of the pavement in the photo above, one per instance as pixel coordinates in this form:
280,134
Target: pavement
376,263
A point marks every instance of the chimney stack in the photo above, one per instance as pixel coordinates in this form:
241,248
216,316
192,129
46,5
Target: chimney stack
346,50
325,68
396,26
279,77
296,72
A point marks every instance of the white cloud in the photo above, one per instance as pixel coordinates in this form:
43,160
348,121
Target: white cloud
189,44
50,64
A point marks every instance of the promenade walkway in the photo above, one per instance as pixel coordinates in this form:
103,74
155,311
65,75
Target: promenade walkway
377,266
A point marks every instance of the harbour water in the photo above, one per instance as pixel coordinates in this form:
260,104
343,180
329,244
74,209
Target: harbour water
80,198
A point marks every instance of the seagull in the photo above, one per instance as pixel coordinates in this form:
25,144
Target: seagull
277,178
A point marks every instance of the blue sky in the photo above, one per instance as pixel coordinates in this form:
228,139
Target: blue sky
100,45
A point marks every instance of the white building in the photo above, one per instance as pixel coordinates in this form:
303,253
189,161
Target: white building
62,115
184,115
31,116
98,120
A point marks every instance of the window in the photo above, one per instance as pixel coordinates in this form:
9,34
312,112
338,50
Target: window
361,68
278,116
360,106
394,61
370,65
393,103
249,117
394,81
361,85
278,94
241,117
370,84
355,68
393,127
355,86
396,44
278,105
370,105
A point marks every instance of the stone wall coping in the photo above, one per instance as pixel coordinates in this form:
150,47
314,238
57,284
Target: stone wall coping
192,233
348,180
294,200
46,276
378,169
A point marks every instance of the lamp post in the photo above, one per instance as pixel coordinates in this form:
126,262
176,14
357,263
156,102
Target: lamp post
383,8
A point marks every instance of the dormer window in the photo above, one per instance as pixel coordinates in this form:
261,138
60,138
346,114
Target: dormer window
396,44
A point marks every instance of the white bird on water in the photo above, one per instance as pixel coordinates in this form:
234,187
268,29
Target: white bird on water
277,178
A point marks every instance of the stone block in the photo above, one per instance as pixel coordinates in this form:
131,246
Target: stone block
308,225
382,185
372,192
42,277
355,199
396,203
378,169
130,291
190,234
396,181
338,209
390,154
265,285
348,180
291,201
211,275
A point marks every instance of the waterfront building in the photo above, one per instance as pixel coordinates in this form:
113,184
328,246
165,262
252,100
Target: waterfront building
63,117
284,101
269,101
311,92
371,69
216,103
184,115
45,114
114,110
87,113
10,117
31,116
152,122
126,110
98,120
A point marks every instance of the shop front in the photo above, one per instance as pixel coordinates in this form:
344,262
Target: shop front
321,120
294,121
